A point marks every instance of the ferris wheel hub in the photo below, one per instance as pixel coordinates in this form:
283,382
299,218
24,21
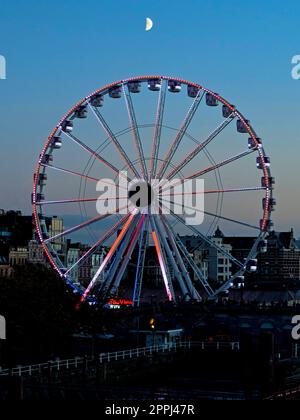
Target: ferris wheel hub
140,194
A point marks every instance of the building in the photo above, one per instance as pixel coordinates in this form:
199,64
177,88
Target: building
73,255
6,271
215,266
18,256
85,267
241,245
280,265
200,257
36,253
96,261
264,297
219,265
150,338
152,272
192,242
56,228
5,234
15,230
152,277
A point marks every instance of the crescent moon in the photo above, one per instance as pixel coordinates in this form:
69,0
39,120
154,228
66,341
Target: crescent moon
149,24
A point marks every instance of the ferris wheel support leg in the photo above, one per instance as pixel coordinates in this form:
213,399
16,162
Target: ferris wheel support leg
106,236
140,265
108,279
209,241
128,255
195,268
193,292
252,254
108,257
171,258
162,261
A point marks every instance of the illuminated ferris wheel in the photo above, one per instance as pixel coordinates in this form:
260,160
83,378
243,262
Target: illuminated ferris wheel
148,138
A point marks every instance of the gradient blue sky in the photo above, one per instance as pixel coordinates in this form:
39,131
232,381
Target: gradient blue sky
58,51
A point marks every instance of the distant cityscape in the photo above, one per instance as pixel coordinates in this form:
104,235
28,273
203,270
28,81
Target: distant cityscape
276,279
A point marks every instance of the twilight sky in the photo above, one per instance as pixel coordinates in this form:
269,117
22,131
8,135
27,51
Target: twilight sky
58,52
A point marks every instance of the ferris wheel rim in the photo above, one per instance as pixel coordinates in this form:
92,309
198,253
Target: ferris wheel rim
104,90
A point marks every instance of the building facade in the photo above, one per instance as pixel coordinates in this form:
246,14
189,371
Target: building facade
18,256
6,271
36,253
96,261
281,263
215,266
15,231
219,265
56,228
200,257
73,255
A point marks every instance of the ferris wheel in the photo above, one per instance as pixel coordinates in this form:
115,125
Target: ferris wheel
148,138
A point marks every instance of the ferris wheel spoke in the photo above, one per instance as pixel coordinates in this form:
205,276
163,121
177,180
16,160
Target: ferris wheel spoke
82,225
220,164
79,200
233,190
68,171
207,240
114,139
158,128
174,146
77,227
93,153
108,256
199,148
100,241
228,190
135,133
227,219
83,176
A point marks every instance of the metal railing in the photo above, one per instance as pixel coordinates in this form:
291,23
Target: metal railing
288,394
84,362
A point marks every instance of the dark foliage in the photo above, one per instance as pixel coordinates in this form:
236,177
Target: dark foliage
39,311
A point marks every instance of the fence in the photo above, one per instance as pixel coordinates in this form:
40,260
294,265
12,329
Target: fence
84,362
